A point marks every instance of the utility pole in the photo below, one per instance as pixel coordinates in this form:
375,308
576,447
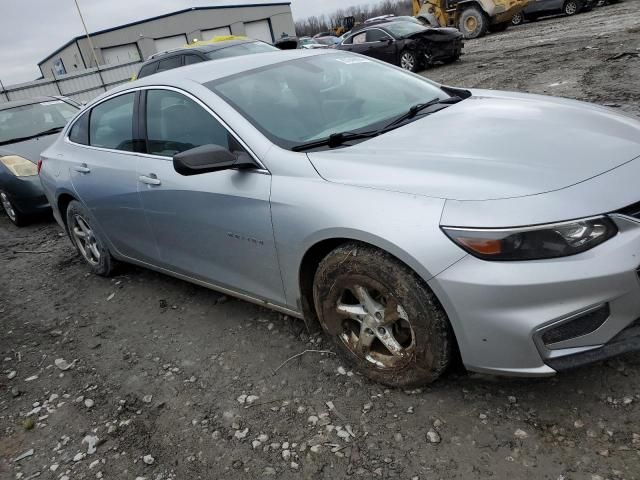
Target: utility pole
93,50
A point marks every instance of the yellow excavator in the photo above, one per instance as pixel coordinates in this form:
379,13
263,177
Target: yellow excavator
473,18
347,24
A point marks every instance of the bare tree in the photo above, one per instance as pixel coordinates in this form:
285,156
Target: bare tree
329,21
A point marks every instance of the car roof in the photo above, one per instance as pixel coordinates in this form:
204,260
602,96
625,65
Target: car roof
203,48
26,101
379,24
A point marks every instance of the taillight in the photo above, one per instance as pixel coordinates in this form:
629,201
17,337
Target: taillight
39,165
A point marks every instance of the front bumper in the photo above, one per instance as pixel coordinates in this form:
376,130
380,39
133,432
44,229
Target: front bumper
500,310
26,194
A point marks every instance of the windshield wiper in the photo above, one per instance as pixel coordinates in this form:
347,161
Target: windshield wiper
337,139
51,131
413,111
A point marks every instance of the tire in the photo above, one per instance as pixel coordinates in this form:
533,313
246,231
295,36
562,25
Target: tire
518,19
409,61
473,23
18,218
403,316
571,7
88,240
499,27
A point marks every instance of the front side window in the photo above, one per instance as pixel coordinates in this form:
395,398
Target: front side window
30,121
376,35
175,123
360,38
111,123
148,69
310,98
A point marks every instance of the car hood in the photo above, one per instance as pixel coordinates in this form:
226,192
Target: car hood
29,149
492,145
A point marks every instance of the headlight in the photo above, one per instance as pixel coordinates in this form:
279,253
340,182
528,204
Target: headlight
20,167
534,243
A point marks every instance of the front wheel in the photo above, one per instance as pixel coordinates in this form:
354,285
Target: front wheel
409,61
517,19
18,219
88,241
473,23
571,7
383,318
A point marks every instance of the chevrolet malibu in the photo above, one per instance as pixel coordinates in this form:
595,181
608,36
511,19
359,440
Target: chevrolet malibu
409,220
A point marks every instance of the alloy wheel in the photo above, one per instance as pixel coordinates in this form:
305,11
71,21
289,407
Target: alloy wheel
517,19
407,61
85,240
571,8
374,326
8,208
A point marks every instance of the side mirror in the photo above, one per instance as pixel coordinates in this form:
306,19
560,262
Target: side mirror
209,158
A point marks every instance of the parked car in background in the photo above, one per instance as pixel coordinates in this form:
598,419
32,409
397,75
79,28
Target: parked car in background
202,52
329,41
540,8
292,43
323,34
27,127
405,44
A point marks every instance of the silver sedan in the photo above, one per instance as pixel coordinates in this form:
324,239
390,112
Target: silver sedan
408,219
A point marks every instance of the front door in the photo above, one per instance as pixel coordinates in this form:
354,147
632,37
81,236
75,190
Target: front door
214,227
104,175
380,45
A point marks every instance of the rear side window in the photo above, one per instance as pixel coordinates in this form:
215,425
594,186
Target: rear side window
191,59
169,63
147,70
79,133
111,123
176,123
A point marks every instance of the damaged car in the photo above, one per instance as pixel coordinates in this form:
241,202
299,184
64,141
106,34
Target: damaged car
411,221
406,44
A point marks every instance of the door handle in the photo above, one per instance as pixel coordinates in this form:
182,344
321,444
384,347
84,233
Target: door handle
151,179
82,168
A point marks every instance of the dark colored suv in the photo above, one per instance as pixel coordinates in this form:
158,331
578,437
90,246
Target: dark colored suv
202,53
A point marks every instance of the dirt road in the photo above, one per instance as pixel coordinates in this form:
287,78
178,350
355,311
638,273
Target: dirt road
146,376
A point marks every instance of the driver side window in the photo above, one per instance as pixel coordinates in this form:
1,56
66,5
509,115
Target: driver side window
175,123
376,35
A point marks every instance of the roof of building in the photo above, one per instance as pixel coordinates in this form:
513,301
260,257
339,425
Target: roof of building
158,17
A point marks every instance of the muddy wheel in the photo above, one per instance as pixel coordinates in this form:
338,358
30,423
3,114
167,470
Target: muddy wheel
409,61
12,212
88,240
383,318
571,7
518,19
473,23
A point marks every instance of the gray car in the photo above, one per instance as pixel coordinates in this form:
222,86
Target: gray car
27,127
406,218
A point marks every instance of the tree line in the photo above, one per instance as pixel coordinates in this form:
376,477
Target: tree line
327,22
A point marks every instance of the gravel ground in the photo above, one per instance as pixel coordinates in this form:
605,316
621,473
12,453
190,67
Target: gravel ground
146,376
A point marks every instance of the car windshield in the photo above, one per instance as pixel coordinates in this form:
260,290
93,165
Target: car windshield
241,49
402,29
310,98
30,120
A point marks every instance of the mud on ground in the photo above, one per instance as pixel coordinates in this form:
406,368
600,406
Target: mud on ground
168,380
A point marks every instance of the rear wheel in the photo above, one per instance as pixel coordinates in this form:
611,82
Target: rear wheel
473,23
12,212
409,61
88,241
383,318
571,7
517,19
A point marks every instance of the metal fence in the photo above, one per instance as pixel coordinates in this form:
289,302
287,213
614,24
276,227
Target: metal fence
81,86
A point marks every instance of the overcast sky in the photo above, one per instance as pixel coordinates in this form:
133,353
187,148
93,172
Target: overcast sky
31,29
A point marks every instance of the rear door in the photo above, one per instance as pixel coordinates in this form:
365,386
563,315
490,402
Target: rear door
104,175
214,227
